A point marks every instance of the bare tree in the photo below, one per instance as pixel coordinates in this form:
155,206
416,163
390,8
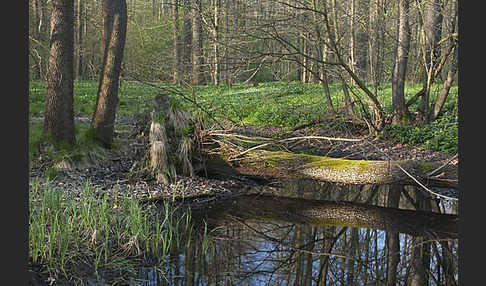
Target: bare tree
39,35
432,30
359,38
186,57
114,34
441,98
59,118
214,27
81,31
177,55
400,69
197,77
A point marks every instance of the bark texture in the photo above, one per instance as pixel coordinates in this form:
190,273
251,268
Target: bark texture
59,118
114,35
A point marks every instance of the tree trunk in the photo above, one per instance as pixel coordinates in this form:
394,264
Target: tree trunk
348,103
305,61
41,33
227,72
376,41
80,28
176,63
400,69
358,39
215,30
114,34
441,98
325,79
197,77
432,25
352,32
59,118
186,58
36,68
327,92
361,45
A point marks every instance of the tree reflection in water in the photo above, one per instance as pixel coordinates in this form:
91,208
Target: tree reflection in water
245,250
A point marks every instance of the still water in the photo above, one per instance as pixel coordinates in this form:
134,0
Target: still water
252,240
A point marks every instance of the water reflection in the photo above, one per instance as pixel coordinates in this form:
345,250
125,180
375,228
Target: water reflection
256,250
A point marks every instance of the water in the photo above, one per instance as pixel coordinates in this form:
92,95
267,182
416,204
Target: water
250,242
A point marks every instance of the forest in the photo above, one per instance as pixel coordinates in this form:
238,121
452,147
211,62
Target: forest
272,142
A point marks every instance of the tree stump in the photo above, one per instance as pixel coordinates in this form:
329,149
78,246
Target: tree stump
170,139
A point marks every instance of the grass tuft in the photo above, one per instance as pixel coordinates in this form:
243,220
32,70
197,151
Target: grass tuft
102,233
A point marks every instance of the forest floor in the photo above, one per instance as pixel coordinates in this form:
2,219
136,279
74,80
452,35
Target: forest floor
120,167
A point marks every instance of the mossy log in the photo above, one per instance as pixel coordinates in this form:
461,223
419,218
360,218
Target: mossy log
292,165
316,212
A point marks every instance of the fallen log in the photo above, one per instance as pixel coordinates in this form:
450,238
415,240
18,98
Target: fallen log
303,166
316,212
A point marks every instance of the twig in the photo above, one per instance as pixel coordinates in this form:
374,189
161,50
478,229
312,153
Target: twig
441,167
256,70
297,138
218,133
175,91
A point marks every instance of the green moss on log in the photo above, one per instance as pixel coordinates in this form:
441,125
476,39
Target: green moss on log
341,164
275,159
426,167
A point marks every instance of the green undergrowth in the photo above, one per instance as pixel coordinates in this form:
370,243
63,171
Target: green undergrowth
109,234
292,104
43,147
269,104
133,98
440,135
